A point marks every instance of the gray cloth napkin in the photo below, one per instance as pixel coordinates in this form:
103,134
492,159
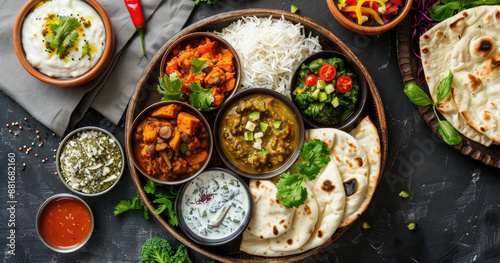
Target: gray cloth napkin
60,108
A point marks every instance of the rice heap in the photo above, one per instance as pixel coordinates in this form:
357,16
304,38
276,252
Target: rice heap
269,49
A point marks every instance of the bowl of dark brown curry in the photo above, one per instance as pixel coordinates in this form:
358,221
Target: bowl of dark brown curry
171,142
258,133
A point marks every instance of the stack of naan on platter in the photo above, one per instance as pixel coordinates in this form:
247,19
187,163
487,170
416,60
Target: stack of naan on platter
336,198
468,45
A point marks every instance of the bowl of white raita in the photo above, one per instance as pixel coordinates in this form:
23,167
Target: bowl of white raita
63,42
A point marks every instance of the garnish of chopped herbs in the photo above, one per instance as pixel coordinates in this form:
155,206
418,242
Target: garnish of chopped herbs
198,65
86,50
200,98
163,195
184,148
208,2
412,226
64,35
290,190
170,87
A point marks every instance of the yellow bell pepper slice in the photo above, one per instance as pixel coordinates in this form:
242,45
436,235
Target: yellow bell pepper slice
363,10
359,6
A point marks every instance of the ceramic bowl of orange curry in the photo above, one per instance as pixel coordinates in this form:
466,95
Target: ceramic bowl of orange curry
170,142
197,66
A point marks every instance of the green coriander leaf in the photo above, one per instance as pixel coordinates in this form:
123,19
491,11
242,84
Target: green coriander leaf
444,88
416,95
150,187
290,190
125,205
200,98
315,154
86,49
199,65
64,35
184,147
208,2
170,87
448,132
168,205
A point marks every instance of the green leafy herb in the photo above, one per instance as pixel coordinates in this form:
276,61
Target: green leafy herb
170,87
293,9
418,97
404,194
366,225
86,50
164,196
448,8
412,226
315,154
184,147
208,2
64,35
157,249
290,190
198,65
200,98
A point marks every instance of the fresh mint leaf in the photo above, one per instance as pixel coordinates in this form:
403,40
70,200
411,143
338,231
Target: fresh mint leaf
200,98
170,87
290,190
199,65
64,35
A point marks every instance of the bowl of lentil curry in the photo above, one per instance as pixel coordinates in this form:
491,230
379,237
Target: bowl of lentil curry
90,161
170,142
259,133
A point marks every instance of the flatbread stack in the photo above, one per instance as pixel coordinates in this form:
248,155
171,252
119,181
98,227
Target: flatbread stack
468,45
336,198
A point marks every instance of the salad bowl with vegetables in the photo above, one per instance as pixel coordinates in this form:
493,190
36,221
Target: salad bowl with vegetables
369,17
329,90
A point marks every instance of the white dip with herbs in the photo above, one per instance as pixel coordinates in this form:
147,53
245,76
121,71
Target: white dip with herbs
63,38
90,161
205,200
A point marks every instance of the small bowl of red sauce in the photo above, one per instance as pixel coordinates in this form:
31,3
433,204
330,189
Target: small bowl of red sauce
64,223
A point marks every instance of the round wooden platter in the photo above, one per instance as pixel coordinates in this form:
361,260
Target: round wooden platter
145,94
408,65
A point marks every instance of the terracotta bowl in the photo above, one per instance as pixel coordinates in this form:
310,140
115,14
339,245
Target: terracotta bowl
82,79
202,35
185,108
369,30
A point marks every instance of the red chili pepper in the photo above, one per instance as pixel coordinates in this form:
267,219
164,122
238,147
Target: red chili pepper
135,9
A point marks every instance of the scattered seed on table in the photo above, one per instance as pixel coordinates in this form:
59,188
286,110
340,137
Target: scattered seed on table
37,132
15,134
7,125
20,148
20,127
10,131
56,173
17,123
25,118
24,146
38,137
32,144
43,161
53,134
36,154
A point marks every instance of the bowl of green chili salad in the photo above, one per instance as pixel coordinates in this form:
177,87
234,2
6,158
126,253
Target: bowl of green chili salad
330,90
90,161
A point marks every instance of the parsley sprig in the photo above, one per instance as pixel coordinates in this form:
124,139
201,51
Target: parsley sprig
290,190
198,65
170,87
200,98
64,34
165,197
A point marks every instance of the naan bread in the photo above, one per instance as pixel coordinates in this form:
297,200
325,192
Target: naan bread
352,164
436,48
328,191
366,134
475,65
324,135
269,217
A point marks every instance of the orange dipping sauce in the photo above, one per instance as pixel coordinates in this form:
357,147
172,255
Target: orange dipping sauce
65,222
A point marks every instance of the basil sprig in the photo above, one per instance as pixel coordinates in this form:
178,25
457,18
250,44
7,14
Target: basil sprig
448,8
418,97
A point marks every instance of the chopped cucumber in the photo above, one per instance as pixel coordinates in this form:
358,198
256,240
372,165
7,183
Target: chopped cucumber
335,102
265,152
321,84
250,126
277,124
294,9
404,194
263,126
248,136
254,115
329,88
322,96
258,135
315,94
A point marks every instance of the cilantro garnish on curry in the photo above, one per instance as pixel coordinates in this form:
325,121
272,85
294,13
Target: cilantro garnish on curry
326,90
201,73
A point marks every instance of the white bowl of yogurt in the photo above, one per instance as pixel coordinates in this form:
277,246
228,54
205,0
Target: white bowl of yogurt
63,42
215,207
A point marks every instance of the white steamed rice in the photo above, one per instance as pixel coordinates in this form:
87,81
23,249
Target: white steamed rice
269,49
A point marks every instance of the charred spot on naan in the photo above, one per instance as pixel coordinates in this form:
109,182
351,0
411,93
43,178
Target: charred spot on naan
359,161
454,25
474,82
425,50
275,231
483,46
257,183
327,186
439,34
282,221
351,187
426,37
486,115
497,15
307,209
320,233
289,241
